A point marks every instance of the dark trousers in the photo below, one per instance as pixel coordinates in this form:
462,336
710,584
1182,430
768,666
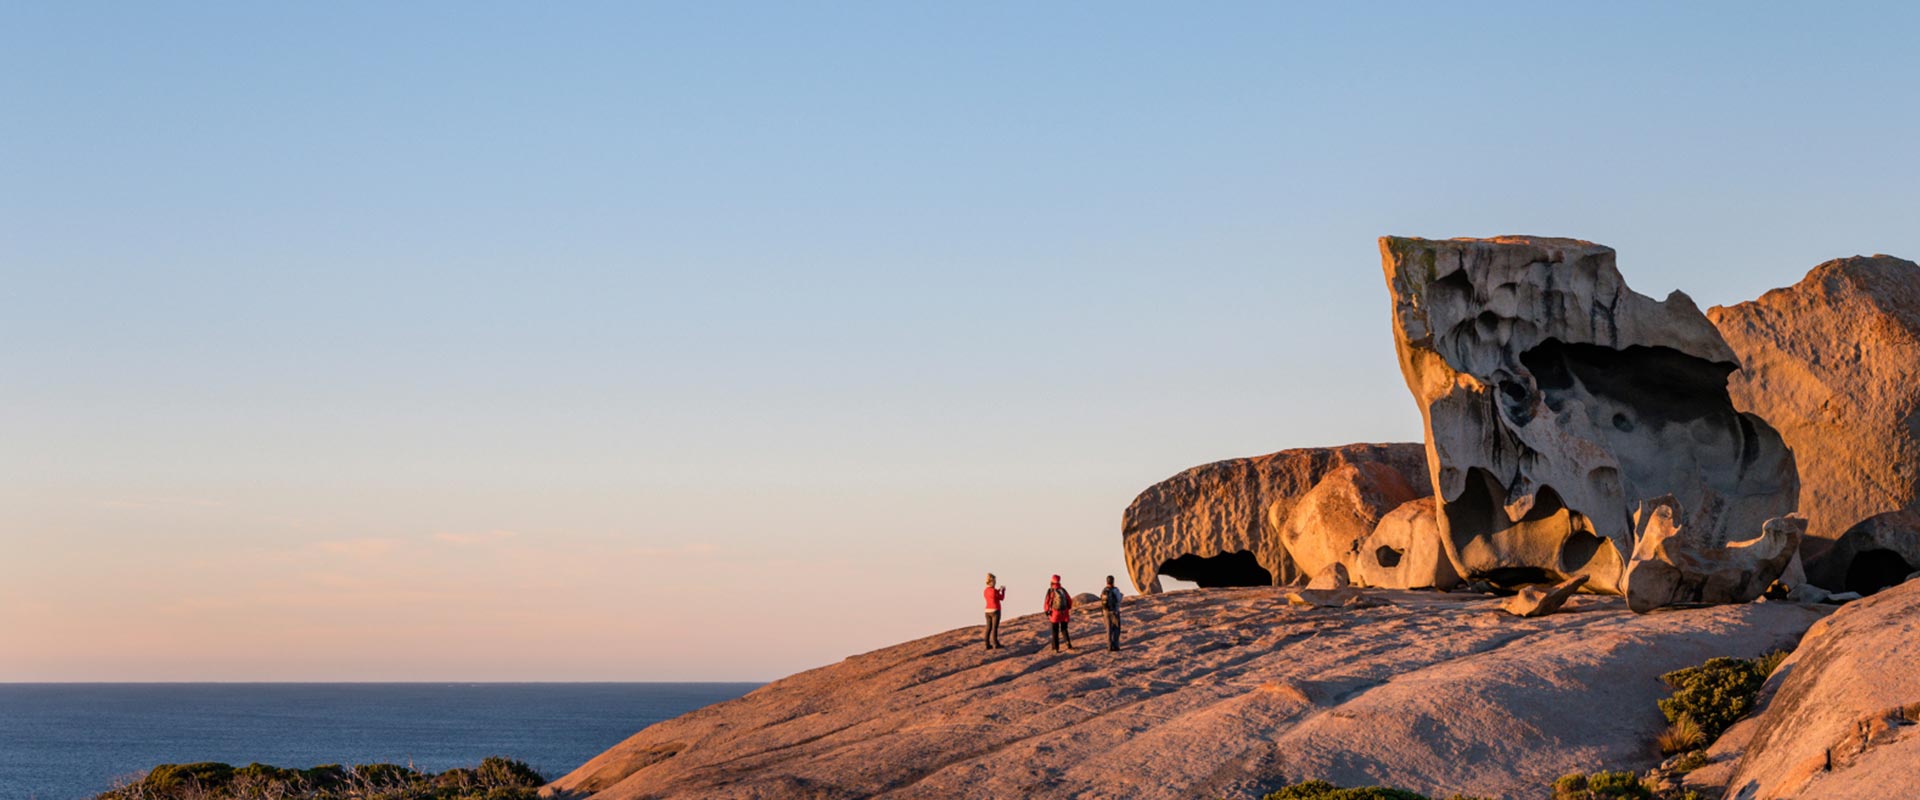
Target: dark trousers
1060,632
1113,629
993,629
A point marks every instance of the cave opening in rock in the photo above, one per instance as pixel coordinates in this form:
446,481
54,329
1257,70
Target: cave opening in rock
1226,569
1873,570
1387,556
1652,385
1515,577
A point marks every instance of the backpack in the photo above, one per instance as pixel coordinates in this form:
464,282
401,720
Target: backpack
1057,600
1110,599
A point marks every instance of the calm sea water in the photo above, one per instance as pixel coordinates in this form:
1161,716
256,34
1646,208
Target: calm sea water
69,741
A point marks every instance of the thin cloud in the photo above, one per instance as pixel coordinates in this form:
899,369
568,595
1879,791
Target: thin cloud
358,548
464,539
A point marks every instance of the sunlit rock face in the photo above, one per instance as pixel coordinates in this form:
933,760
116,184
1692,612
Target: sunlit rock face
1879,552
1671,566
1231,523
1405,550
1557,400
1833,362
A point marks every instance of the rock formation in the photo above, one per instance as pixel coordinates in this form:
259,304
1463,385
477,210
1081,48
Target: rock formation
1880,551
1671,565
1405,552
1839,719
1833,363
1539,601
1217,693
1222,524
1557,400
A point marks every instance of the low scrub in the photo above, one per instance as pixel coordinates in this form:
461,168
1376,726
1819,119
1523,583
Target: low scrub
1322,790
493,779
1714,695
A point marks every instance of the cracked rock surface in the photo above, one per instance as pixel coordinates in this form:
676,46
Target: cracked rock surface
1217,693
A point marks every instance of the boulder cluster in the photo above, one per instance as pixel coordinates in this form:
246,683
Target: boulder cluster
1576,430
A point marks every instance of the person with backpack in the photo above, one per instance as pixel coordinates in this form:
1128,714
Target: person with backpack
1110,603
994,596
1059,611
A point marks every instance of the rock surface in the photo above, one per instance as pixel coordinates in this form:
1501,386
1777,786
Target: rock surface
1672,565
1556,400
1405,552
1217,693
1840,718
1878,552
1221,524
1833,363
1539,601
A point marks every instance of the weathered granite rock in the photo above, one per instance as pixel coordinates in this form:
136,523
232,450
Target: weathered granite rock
1539,601
1218,693
1405,552
1331,519
1839,719
1331,576
1221,524
1671,565
1556,400
1833,363
1879,552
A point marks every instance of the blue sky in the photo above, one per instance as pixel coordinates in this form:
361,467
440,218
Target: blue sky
721,340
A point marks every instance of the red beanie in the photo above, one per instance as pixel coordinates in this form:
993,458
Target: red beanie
1056,579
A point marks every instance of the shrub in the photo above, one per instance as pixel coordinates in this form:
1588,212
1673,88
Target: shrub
1693,760
1683,735
176,777
1322,790
1602,786
1716,694
493,779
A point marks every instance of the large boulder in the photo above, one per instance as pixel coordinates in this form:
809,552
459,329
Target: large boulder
1220,693
1405,550
1840,718
1222,524
1670,565
1557,400
1328,524
1833,363
1880,551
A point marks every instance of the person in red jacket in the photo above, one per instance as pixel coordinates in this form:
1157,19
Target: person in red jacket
1059,611
994,596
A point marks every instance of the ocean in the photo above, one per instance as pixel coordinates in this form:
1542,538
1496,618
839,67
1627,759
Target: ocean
70,741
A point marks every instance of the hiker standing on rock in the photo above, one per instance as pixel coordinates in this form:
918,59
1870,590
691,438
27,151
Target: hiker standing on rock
1059,606
994,596
1110,603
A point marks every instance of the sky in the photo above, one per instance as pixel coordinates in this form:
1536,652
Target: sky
715,341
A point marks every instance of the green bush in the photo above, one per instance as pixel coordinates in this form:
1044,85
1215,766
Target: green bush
1602,786
1716,694
1691,761
494,779
1322,790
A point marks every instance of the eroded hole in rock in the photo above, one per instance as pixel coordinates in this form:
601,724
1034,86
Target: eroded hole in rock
1579,550
1659,384
1387,556
1226,569
1873,570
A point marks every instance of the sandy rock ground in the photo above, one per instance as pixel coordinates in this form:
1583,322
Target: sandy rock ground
1217,693
1840,719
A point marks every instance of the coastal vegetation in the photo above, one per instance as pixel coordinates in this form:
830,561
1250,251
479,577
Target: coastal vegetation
494,778
1710,697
